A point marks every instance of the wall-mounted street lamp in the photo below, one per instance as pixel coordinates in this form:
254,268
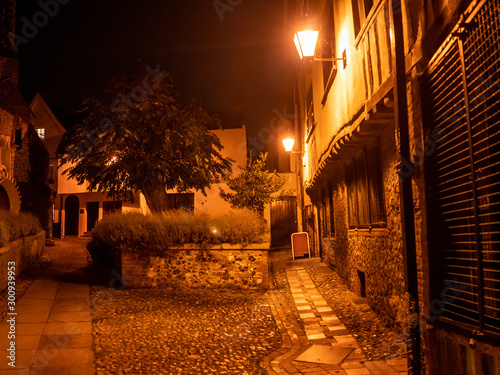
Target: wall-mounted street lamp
288,144
306,42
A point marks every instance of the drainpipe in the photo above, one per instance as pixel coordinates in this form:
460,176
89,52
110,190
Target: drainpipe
60,210
405,183
298,163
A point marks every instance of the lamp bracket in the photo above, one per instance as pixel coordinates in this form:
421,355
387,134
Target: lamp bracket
343,58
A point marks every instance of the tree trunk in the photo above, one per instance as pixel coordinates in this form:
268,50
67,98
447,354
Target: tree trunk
156,198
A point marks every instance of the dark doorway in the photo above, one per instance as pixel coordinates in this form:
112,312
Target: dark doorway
4,199
362,284
283,221
92,214
310,228
71,209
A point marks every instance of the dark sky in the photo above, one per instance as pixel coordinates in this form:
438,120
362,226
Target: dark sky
241,56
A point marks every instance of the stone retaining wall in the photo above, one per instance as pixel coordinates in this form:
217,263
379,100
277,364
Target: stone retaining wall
23,252
197,268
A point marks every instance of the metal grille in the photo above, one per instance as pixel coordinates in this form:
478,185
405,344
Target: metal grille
463,91
482,59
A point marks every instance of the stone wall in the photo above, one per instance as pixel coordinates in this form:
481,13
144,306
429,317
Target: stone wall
196,268
376,252
23,252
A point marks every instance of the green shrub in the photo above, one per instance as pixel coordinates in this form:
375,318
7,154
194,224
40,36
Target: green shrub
156,233
14,226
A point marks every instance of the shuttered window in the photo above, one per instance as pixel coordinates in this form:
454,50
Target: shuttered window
331,208
462,89
181,201
365,190
323,216
111,207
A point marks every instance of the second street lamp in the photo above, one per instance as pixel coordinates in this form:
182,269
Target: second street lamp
288,144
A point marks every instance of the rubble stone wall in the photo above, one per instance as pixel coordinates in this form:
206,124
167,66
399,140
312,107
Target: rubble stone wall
196,268
22,252
376,252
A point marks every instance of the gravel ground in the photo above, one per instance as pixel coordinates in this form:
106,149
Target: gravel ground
182,332
377,341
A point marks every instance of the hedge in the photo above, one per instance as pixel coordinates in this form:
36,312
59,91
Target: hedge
157,232
14,226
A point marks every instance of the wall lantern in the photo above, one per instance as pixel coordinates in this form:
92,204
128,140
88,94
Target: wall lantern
288,144
306,42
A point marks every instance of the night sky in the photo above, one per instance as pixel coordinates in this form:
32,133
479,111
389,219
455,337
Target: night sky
236,60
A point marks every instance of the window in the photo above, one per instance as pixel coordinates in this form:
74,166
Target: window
18,137
327,43
365,190
5,152
325,209
110,207
330,198
310,112
360,10
52,173
41,132
179,201
324,215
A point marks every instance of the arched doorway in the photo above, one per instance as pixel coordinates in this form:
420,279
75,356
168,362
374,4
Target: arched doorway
71,214
9,196
4,199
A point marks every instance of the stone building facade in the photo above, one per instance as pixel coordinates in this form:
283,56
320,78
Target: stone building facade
399,166
23,158
347,133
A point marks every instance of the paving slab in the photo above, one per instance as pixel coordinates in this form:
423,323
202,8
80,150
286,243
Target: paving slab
69,341
326,354
53,322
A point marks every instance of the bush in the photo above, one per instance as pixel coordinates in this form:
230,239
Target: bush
156,233
14,226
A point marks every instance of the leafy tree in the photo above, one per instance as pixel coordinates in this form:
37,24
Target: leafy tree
138,137
254,186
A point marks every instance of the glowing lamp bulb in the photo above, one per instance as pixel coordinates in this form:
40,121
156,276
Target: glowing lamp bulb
305,42
288,144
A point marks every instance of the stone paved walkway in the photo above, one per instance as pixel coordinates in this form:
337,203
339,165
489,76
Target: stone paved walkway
318,343
53,322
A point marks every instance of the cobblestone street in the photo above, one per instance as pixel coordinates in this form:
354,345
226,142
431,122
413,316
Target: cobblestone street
307,323
182,332
291,329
